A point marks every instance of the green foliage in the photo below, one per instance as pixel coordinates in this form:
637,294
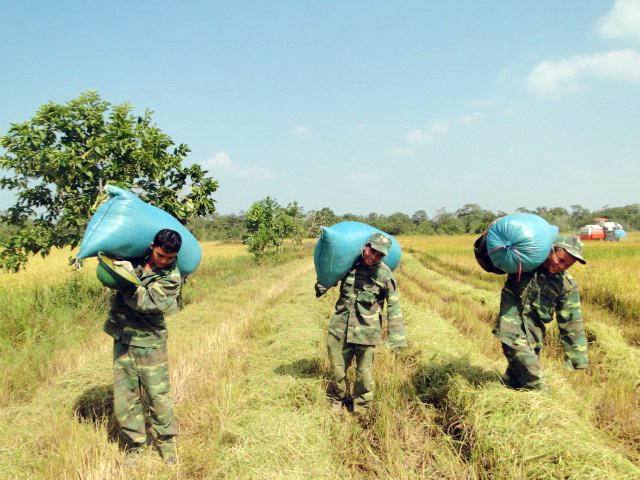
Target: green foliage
447,223
218,227
474,218
319,218
61,159
470,218
6,232
628,216
267,225
37,321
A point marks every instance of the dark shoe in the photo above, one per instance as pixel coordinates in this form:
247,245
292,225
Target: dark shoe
510,382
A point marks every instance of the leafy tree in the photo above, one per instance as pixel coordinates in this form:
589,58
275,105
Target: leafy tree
628,216
474,218
447,223
421,222
395,224
60,160
292,217
580,216
267,225
319,218
556,216
419,216
218,227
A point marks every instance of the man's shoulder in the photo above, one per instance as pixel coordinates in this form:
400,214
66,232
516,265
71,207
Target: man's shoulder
171,274
561,282
384,267
384,272
568,282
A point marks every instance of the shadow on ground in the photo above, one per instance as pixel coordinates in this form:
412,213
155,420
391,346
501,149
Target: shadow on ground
301,368
95,405
432,380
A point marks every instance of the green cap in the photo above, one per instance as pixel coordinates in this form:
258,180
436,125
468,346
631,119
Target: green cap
379,242
572,245
114,276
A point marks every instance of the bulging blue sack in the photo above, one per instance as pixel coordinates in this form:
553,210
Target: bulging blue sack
340,245
124,227
520,242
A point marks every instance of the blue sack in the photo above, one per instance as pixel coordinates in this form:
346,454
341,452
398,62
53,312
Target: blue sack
340,245
124,227
520,242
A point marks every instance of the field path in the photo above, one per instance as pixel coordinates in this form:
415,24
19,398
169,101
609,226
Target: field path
249,375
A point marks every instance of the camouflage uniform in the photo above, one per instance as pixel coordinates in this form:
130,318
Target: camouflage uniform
525,307
137,324
356,327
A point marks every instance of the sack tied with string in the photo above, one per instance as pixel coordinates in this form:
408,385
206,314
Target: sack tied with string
340,245
515,243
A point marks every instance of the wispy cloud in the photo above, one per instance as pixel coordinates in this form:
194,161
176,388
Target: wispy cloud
300,131
623,21
470,118
428,133
565,76
221,161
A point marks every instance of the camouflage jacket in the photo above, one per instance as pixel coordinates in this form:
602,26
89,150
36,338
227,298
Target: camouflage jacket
358,315
137,315
530,303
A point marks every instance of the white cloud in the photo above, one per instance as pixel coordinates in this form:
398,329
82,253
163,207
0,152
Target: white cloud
470,118
564,76
623,21
221,161
428,133
300,131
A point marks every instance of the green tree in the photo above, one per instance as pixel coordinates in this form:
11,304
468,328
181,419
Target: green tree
267,225
319,218
628,216
218,227
580,217
395,224
556,216
60,160
419,216
474,218
292,217
447,223
421,222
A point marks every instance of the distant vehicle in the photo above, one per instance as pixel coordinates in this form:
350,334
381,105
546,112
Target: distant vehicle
602,229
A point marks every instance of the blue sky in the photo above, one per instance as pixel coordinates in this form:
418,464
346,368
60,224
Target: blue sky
359,106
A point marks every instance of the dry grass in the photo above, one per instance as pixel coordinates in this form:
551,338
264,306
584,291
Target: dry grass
249,373
608,391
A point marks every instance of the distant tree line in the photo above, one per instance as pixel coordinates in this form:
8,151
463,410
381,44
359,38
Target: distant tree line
294,223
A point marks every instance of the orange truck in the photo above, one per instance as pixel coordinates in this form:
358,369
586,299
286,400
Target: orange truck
602,229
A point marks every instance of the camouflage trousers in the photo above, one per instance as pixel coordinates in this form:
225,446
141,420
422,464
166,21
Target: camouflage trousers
341,354
135,369
521,348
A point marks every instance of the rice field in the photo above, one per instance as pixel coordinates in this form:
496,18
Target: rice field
249,374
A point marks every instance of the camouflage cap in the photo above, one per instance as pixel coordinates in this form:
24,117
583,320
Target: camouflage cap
379,242
572,245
